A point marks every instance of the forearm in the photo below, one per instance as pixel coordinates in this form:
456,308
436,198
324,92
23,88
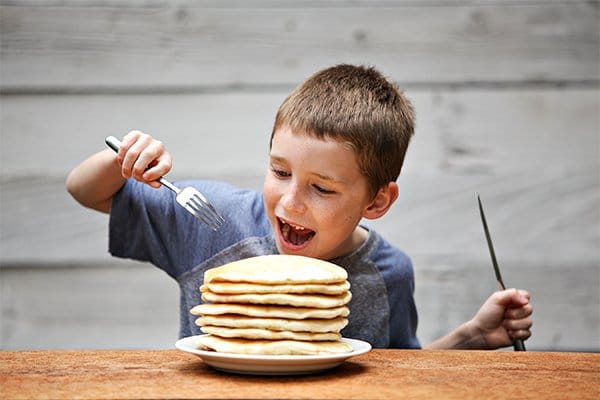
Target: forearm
466,336
94,182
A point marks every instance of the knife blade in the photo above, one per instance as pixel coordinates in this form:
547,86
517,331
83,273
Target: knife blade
518,344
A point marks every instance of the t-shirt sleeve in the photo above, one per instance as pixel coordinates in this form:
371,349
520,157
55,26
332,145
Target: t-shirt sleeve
140,221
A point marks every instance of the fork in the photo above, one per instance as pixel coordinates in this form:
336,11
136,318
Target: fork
189,198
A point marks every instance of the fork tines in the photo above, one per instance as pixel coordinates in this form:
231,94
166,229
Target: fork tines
205,211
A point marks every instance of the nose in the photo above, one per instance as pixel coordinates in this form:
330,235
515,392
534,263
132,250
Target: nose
292,199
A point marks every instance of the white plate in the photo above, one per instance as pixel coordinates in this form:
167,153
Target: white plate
271,365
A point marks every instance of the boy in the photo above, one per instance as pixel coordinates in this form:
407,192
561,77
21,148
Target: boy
336,150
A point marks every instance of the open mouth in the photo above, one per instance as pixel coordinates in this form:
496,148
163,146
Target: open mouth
294,234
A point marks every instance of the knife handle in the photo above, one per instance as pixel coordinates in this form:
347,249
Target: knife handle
519,345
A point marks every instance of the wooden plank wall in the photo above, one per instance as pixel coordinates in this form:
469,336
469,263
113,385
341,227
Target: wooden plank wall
507,95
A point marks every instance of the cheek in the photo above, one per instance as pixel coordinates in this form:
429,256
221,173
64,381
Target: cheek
348,222
348,216
350,219
270,193
335,217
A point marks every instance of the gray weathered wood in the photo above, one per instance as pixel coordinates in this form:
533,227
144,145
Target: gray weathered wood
125,305
468,131
114,46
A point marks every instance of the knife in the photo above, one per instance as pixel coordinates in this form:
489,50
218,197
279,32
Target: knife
518,344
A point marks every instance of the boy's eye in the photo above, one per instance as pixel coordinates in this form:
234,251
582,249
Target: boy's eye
322,190
281,173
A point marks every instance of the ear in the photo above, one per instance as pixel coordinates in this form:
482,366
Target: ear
385,197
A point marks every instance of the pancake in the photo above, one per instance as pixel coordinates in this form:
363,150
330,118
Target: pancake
296,300
270,347
277,269
270,311
277,324
257,333
244,287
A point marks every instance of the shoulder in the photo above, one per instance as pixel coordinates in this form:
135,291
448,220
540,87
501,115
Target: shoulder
382,251
391,261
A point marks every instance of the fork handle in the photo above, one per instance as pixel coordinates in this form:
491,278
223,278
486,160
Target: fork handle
115,144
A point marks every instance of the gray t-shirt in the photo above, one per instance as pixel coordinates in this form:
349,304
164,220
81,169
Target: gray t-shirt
148,225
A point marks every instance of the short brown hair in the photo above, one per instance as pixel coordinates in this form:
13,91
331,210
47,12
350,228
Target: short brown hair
359,106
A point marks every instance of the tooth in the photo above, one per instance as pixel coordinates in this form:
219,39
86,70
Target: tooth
296,227
285,230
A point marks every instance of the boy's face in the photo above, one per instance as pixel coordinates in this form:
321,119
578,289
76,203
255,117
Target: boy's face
314,195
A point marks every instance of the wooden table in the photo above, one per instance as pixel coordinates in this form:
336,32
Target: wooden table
380,374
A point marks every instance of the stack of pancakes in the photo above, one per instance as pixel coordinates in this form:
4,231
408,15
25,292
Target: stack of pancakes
274,305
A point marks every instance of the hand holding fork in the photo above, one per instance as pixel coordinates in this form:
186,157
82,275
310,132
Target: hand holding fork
145,159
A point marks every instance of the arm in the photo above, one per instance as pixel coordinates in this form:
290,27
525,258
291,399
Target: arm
94,182
504,317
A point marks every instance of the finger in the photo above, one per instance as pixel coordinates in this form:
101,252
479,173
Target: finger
524,294
517,324
156,161
131,162
126,142
148,158
511,297
522,334
520,312
124,156
154,184
160,165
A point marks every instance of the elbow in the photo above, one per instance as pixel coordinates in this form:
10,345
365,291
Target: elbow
70,184
73,187
77,189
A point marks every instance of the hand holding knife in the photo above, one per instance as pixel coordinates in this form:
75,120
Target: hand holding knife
518,344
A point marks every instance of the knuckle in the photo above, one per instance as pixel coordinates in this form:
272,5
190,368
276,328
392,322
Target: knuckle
133,135
133,153
137,173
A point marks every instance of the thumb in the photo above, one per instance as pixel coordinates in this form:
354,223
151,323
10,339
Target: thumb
512,297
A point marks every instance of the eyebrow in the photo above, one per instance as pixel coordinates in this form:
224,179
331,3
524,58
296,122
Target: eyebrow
327,177
317,174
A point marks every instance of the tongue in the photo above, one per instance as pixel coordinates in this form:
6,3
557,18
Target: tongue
298,237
